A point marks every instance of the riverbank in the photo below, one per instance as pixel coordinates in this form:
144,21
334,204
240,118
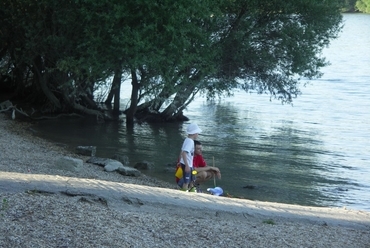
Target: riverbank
37,218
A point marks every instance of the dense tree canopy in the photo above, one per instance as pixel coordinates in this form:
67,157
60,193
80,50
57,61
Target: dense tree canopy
56,55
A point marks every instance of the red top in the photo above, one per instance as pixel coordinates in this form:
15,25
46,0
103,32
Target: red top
198,161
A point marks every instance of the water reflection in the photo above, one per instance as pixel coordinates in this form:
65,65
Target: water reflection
278,165
152,142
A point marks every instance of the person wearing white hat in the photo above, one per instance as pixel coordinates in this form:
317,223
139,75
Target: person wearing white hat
187,154
203,171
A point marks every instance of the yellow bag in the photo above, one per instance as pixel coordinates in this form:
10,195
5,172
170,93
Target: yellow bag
178,173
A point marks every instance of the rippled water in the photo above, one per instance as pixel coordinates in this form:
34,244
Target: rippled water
316,152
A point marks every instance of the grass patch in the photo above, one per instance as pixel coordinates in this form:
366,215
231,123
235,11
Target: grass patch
4,206
269,221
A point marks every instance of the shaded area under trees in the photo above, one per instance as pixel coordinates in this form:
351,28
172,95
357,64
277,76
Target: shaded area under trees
57,55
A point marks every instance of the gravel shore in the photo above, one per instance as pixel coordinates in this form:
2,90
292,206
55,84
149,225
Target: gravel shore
39,219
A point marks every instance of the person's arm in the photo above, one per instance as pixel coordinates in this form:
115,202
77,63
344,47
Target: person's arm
210,169
217,171
200,165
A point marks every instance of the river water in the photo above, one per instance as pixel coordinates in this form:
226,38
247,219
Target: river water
314,153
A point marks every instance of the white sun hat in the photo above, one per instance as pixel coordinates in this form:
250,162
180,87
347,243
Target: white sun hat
193,129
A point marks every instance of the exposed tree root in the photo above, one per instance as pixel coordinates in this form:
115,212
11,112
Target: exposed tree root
7,106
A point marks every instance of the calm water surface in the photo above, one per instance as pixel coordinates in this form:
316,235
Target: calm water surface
316,152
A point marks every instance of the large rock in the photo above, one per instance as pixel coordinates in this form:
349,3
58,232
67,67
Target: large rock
128,171
69,164
114,165
100,161
122,158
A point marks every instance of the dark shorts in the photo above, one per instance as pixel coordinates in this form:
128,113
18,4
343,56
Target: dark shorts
186,178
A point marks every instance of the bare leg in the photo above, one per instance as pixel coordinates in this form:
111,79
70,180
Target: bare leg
204,176
185,186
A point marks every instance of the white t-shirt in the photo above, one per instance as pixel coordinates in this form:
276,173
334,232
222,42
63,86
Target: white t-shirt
188,147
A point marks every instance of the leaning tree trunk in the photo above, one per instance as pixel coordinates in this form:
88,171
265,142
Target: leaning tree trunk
178,102
186,92
37,64
110,96
156,103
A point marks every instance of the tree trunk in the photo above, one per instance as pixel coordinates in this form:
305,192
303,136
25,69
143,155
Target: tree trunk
185,94
134,99
110,96
117,90
178,102
41,79
156,103
116,82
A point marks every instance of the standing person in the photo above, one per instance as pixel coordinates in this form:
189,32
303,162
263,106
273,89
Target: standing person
204,172
187,154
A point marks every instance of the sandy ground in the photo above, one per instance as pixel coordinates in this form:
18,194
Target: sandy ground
44,207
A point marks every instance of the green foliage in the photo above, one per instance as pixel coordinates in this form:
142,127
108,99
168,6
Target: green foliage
363,6
355,6
176,48
348,5
269,44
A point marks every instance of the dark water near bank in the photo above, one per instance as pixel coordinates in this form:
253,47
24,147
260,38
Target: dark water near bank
314,153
